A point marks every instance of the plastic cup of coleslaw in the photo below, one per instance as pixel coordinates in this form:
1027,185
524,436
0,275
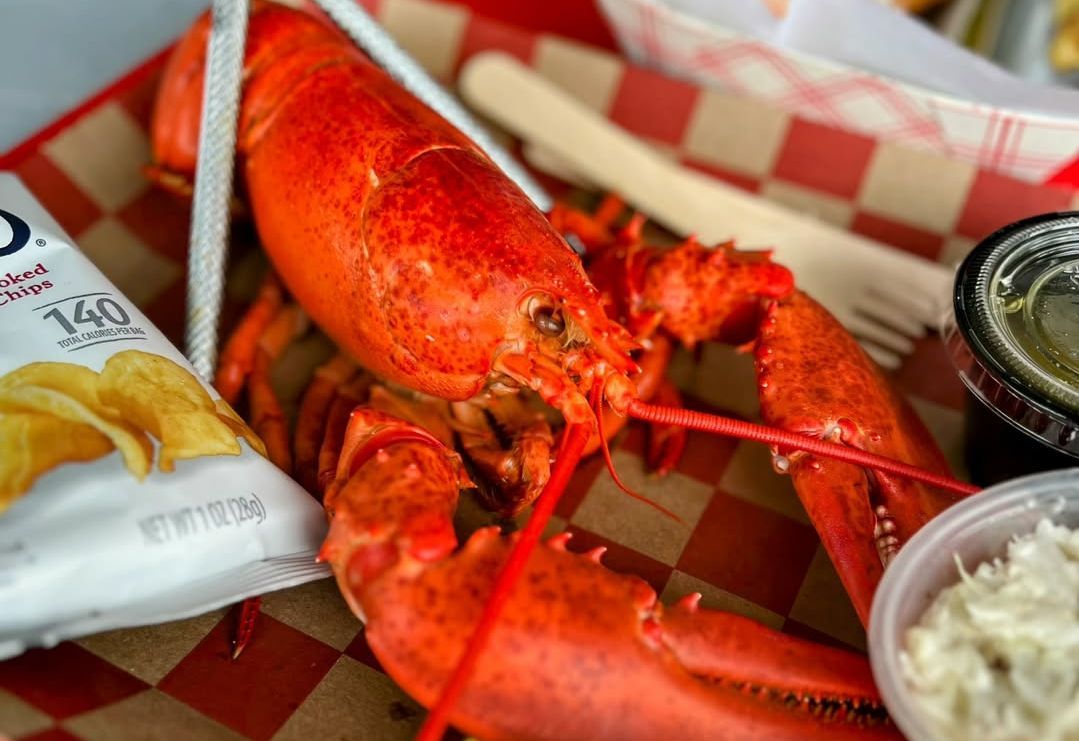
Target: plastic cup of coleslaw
976,529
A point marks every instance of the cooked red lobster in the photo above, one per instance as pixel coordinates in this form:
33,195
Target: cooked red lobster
432,271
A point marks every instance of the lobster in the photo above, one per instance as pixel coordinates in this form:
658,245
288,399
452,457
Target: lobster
431,270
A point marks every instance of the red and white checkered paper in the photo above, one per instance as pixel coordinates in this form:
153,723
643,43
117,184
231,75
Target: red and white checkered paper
1012,142
743,540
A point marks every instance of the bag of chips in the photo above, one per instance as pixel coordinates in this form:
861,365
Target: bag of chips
130,493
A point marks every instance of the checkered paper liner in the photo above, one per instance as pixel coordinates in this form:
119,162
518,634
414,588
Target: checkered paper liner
1012,142
744,541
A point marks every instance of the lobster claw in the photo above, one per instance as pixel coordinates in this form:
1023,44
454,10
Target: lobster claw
580,651
814,379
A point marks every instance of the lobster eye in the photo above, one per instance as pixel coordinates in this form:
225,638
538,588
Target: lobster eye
549,321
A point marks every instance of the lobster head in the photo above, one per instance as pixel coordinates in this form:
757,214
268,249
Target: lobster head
484,293
402,240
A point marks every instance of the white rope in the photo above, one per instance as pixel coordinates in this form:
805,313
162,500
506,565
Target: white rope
213,183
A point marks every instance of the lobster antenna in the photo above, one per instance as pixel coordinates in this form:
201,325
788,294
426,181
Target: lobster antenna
597,407
730,427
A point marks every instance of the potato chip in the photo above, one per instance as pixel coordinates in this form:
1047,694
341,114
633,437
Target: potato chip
35,443
169,402
133,445
79,383
236,423
76,381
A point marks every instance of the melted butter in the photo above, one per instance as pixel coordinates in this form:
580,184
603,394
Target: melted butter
1038,312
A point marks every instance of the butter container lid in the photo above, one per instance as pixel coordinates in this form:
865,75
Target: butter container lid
1014,333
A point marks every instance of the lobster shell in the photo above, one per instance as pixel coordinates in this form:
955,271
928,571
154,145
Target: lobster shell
359,191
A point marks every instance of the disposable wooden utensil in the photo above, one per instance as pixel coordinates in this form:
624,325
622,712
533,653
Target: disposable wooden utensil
882,295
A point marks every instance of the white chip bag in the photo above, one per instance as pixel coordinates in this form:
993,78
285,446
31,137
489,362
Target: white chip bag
130,493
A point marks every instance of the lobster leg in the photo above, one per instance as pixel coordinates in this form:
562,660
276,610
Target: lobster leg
666,443
267,417
518,465
595,231
311,419
571,624
348,396
179,184
691,292
238,356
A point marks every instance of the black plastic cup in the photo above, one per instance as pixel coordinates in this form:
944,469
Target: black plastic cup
1014,338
